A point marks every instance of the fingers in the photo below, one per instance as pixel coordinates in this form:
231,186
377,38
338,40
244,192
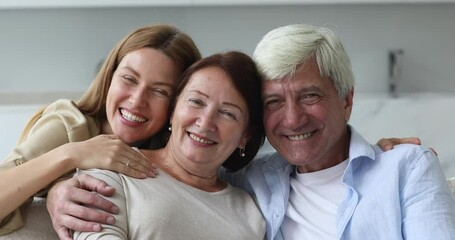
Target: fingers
76,224
388,143
85,218
73,206
111,153
385,144
136,164
93,184
92,199
411,140
63,233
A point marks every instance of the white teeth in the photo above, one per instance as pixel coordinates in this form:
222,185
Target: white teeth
130,117
299,137
196,138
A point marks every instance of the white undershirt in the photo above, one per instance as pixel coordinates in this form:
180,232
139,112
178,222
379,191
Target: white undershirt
313,203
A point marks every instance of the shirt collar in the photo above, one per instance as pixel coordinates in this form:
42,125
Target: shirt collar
359,147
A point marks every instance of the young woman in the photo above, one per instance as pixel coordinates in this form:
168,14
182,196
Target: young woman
126,104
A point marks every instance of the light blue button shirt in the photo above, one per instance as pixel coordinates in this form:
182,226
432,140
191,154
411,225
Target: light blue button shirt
397,194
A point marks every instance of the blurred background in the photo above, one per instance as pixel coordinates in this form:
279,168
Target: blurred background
401,51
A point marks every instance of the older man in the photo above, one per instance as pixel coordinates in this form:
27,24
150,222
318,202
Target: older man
326,181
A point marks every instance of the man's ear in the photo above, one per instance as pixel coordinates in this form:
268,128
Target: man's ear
348,103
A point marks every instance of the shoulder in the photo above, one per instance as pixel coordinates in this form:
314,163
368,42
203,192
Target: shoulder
268,162
110,177
64,112
403,159
406,153
65,108
239,196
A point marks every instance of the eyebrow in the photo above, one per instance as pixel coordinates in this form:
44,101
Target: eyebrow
159,82
131,69
225,103
304,89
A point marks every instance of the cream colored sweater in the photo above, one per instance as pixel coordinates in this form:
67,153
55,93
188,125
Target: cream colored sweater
164,208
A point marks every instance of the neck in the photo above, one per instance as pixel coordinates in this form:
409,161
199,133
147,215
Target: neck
193,174
204,181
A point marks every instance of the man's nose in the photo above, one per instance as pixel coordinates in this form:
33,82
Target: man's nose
294,116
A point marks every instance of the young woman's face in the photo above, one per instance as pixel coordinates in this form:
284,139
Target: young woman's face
139,95
209,121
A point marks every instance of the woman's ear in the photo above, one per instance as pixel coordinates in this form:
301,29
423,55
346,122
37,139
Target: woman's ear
245,138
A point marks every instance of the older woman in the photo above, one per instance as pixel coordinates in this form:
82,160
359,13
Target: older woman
217,120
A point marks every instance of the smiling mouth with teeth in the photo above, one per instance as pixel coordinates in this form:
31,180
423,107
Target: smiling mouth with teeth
300,137
201,140
131,117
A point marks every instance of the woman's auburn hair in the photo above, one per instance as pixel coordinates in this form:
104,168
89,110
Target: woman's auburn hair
168,39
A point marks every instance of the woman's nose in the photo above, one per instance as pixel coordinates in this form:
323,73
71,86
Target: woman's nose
207,120
137,99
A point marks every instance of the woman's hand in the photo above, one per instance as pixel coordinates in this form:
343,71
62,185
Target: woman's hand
109,152
75,205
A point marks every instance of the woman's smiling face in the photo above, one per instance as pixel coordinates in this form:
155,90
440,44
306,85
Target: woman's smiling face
209,121
139,95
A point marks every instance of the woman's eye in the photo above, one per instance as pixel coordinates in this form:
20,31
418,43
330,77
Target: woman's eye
129,80
195,102
228,114
161,92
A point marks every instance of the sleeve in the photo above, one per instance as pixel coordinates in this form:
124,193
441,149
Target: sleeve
236,179
60,123
428,208
120,229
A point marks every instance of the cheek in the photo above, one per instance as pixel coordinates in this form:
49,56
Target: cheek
270,119
115,93
159,110
109,102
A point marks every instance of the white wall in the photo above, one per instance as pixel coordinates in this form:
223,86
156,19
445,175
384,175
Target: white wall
58,49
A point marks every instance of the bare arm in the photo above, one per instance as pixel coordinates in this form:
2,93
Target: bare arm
104,152
57,144
21,182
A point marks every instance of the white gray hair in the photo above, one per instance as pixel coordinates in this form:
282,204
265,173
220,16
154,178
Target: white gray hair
284,49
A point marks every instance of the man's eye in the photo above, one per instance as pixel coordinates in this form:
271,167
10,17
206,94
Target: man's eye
272,104
310,98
